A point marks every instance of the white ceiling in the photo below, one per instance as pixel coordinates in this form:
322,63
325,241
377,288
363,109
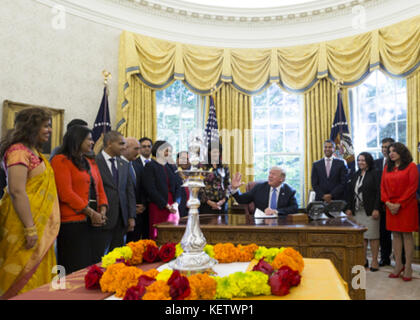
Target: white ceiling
249,3
214,24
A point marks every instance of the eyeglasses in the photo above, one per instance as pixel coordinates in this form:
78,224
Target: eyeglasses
147,146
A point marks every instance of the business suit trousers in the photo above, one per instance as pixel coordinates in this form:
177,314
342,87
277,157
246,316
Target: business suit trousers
74,250
135,235
385,237
105,240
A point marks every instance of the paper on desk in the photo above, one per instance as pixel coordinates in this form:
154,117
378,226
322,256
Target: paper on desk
259,214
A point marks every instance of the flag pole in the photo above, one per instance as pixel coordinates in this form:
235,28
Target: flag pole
107,76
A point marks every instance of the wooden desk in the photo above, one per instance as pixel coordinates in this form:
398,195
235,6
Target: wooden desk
339,240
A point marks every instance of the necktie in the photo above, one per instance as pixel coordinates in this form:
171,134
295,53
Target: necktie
328,167
146,161
273,201
114,171
132,173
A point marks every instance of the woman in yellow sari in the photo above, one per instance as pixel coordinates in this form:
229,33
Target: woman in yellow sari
29,210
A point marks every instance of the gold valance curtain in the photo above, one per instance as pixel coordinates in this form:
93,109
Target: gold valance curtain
157,63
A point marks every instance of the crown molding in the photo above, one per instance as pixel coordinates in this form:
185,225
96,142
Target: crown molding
241,27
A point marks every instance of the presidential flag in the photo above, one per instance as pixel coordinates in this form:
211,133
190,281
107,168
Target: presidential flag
341,136
103,122
212,130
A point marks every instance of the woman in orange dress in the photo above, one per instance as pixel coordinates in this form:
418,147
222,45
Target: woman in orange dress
29,210
398,192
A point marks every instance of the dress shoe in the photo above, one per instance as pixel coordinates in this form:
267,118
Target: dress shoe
374,269
407,278
384,263
392,275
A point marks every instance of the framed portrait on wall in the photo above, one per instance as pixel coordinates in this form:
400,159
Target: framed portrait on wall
10,109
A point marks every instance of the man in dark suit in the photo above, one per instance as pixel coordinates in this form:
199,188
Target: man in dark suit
385,240
130,154
272,197
329,176
142,219
119,189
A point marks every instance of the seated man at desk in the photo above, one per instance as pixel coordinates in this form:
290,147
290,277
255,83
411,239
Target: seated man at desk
272,197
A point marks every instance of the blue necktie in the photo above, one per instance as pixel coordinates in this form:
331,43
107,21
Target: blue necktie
273,202
114,171
132,173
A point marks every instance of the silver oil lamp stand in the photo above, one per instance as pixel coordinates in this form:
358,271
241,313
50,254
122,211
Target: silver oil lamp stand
193,259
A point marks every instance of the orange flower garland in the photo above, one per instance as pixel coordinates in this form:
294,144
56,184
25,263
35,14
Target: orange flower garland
158,290
246,253
289,257
203,287
119,277
138,248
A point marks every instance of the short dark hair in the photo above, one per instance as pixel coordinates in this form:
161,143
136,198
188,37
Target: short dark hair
329,141
368,159
146,139
386,140
405,156
76,122
111,136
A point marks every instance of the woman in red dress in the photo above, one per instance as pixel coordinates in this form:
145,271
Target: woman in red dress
398,192
162,188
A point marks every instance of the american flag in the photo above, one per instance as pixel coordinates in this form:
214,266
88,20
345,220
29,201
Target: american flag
212,130
341,136
103,122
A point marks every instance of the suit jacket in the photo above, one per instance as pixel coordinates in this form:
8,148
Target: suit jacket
182,208
371,191
156,185
141,197
286,202
334,184
379,167
73,187
121,197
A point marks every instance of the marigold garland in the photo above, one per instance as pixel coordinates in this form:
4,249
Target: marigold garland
138,248
289,257
158,290
203,287
120,277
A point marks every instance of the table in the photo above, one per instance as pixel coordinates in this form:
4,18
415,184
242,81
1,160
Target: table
339,240
320,281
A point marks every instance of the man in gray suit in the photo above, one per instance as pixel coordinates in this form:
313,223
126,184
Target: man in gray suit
120,191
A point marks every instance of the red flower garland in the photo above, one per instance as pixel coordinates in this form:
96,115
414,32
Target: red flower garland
92,277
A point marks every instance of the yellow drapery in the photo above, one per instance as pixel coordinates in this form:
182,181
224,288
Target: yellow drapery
234,117
413,131
394,49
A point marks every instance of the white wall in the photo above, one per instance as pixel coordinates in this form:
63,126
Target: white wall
56,68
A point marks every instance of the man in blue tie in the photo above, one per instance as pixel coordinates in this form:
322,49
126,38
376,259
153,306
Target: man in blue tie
272,197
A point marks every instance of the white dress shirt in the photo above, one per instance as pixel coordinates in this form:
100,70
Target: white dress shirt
108,163
143,160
